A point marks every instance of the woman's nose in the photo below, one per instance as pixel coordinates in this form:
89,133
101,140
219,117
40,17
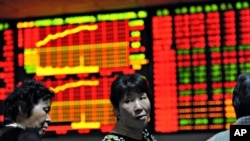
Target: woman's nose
138,106
48,119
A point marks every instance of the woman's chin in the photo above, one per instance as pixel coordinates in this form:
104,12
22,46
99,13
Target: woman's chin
42,132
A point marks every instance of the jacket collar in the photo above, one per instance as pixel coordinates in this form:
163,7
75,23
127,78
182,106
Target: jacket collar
243,120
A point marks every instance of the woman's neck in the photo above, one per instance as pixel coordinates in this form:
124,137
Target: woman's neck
128,132
16,125
23,121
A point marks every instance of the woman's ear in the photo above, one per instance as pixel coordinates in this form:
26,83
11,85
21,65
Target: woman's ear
21,112
117,113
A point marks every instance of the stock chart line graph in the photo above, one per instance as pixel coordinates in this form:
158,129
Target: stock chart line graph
191,54
65,33
79,60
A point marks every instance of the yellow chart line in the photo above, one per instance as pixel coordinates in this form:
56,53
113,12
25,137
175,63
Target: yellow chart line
85,125
75,84
80,102
65,33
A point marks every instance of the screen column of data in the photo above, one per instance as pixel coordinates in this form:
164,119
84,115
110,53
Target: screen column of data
198,51
6,62
79,57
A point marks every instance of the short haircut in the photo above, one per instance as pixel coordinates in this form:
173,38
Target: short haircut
23,99
124,84
241,96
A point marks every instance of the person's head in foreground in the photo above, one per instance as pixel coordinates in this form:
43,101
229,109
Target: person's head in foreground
131,100
28,106
241,104
241,96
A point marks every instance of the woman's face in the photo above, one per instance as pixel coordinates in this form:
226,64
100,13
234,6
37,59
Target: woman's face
134,110
39,118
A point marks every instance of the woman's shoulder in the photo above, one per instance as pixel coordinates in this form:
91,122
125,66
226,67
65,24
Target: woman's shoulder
9,133
29,134
148,136
113,137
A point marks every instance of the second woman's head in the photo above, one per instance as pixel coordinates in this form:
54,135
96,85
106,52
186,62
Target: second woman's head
131,100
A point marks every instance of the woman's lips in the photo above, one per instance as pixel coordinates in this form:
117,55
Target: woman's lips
142,117
43,131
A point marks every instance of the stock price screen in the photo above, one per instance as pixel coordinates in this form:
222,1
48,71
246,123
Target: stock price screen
191,55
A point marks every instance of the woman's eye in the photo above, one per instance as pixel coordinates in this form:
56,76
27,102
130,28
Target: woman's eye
46,110
128,100
143,97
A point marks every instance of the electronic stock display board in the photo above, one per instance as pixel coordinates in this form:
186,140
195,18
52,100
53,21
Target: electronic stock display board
78,57
6,61
207,46
191,54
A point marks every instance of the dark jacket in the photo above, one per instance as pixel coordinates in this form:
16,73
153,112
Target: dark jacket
225,135
9,133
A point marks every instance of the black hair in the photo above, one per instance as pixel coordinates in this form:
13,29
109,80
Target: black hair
241,96
23,99
124,84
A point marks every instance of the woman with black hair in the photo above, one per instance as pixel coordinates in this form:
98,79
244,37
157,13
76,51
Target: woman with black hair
241,104
131,101
26,112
